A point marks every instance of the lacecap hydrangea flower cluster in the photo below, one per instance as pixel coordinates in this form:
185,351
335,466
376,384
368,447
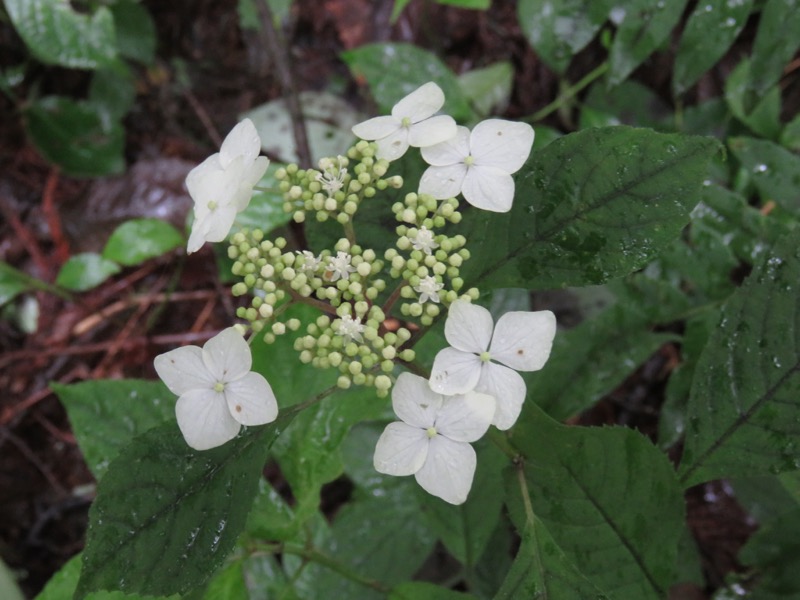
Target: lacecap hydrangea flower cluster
372,307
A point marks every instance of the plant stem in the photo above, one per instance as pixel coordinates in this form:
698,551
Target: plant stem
526,499
567,94
318,557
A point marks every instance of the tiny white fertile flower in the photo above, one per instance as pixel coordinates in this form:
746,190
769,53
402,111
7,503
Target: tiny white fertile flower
424,241
217,392
428,289
222,184
411,124
432,439
478,164
521,341
310,262
339,266
332,176
351,328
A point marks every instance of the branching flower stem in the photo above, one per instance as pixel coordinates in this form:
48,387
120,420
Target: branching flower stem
568,94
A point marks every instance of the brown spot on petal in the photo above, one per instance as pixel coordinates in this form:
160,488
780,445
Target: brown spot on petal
520,352
238,408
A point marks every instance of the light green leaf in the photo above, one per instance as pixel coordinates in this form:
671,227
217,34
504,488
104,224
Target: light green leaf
394,70
790,136
12,283
8,587
106,415
774,170
589,207
166,516
56,34
74,136
559,30
272,518
136,32
397,9
488,89
710,31
541,570
139,240
471,4
84,271
744,398
609,499
642,27
420,590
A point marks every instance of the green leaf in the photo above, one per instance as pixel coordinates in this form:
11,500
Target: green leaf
589,207
643,28
775,44
394,70
763,498
265,211
166,516
74,136
774,170
629,103
790,136
559,30
57,34
763,117
106,415
12,283
489,88
541,570
136,32
139,240
272,518
609,499
8,587
84,271
470,4
397,9
112,92
710,31
774,551
745,392
420,590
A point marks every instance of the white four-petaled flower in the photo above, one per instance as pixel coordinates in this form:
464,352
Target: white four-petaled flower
411,124
424,241
310,262
428,289
351,328
478,164
432,439
339,266
217,391
521,341
222,184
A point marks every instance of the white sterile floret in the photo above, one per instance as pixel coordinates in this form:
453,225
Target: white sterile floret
310,262
411,124
424,241
332,177
217,392
521,341
478,164
222,184
351,328
431,441
339,266
428,289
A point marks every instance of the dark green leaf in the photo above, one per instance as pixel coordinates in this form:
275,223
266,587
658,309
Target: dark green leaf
642,28
74,136
84,271
775,44
136,32
774,550
106,415
609,499
419,590
541,570
272,518
763,117
709,32
764,498
488,89
136,241
589,207
495,563
112,92
166,516
56,34
394,70
775,171
12,283
790,137
629,103
559,30
744,399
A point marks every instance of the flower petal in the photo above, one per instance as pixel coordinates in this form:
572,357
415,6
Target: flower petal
450,152
227,356
207,183
376,128
468,327
432,131
420,104
252,175
183,370
242,141
199,232
204,419
523,340
465,418
251,400
414,401
448,470
443,182
508,389
505,145
393,146
401,449
488,188
216,226
455,372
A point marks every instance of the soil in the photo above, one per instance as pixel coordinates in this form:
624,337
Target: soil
45,487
